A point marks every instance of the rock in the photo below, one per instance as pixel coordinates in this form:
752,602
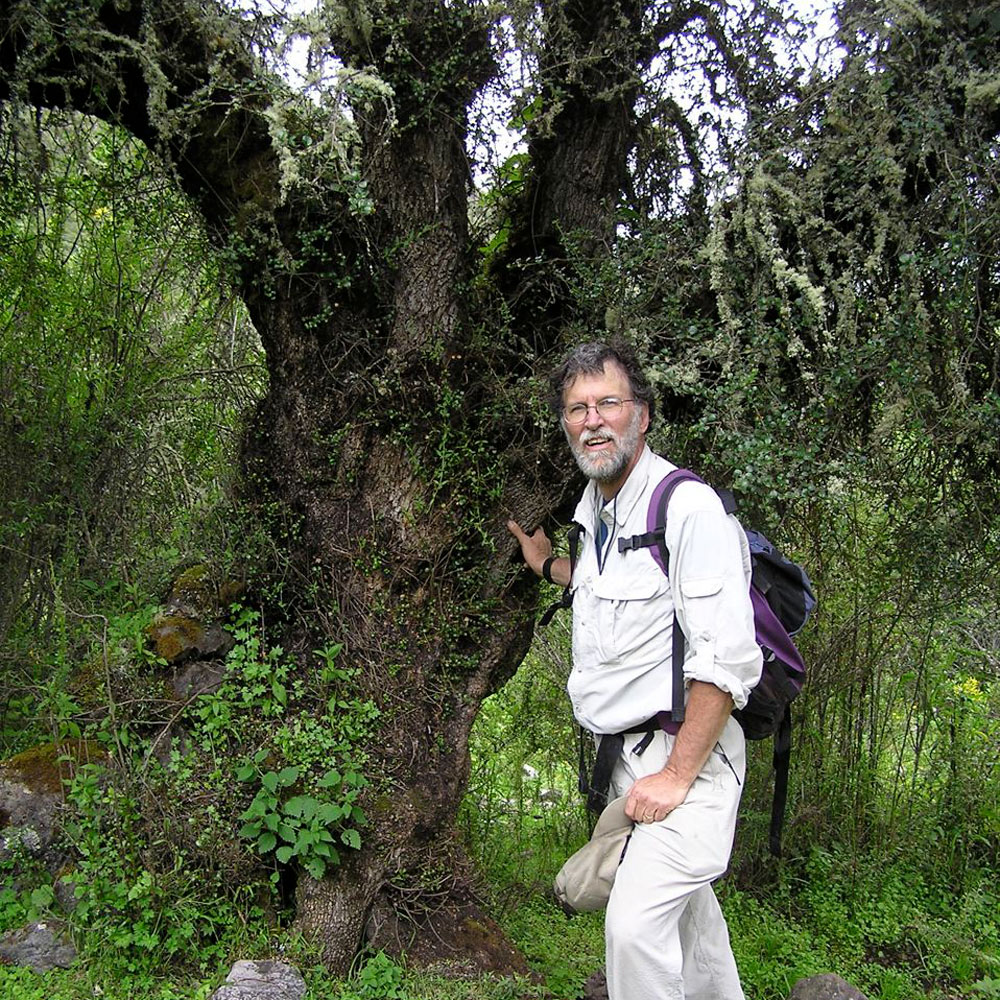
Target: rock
188,626
596,987
40,946
201,677
196,593
176,638
263,980
828,986
31,792
193,592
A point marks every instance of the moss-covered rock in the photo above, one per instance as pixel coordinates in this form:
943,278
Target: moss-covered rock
45,767
176,638
198,593
31,792
188,627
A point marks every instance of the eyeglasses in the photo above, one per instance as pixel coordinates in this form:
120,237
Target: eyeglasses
608,408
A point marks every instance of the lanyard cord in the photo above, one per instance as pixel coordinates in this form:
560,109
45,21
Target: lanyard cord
603,548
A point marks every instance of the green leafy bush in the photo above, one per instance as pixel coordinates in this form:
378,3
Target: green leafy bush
138,907
306,828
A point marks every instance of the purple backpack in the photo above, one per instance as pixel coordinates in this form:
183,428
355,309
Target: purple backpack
782,599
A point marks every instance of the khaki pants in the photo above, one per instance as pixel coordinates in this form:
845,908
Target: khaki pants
665,934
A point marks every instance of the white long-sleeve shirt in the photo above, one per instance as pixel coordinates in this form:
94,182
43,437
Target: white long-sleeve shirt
623,608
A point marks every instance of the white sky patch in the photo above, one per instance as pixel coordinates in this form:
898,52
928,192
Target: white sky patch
494,136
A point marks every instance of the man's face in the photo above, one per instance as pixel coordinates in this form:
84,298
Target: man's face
606,447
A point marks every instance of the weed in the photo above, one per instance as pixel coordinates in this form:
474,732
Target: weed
306,827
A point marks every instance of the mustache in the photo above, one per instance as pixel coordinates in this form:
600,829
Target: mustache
605,434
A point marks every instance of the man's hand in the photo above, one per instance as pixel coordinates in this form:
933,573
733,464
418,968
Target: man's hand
654,797
535,548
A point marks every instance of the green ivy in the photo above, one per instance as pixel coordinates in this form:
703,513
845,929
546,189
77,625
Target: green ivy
305,827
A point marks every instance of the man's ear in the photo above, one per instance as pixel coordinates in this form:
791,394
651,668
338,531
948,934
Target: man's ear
644,421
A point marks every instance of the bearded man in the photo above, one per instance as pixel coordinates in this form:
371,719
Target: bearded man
665,934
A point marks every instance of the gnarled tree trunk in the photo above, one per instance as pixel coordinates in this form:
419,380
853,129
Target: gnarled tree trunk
396,435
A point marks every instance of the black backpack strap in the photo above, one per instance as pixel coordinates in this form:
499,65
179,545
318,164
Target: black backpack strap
782,755
678,644
608,751
644,541
566,600
728,499
597,786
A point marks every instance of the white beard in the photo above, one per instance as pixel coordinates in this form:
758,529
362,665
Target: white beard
606,466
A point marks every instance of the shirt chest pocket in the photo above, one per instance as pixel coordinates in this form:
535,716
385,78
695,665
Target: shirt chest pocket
640,610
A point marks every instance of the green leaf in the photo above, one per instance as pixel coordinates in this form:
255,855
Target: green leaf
284,854
288,776
295,805
331,812
266,842
42,897
316,867
352,838
301,805
254,811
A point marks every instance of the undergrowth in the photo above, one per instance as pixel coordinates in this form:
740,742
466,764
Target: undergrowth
887,916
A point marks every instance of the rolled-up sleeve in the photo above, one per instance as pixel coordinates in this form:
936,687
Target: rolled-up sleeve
709,572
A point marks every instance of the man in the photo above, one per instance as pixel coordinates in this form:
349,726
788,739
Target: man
665,933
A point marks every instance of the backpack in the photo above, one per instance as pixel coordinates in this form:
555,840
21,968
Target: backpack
782,599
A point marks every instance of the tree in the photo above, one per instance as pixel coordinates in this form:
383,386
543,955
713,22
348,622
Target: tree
853,378
850,261
401,425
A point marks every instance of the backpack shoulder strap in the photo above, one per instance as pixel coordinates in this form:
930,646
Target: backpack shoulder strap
654,536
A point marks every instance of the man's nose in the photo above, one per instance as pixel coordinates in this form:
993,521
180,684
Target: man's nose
593,418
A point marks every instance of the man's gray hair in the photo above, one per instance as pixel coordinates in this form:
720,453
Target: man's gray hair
589,359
